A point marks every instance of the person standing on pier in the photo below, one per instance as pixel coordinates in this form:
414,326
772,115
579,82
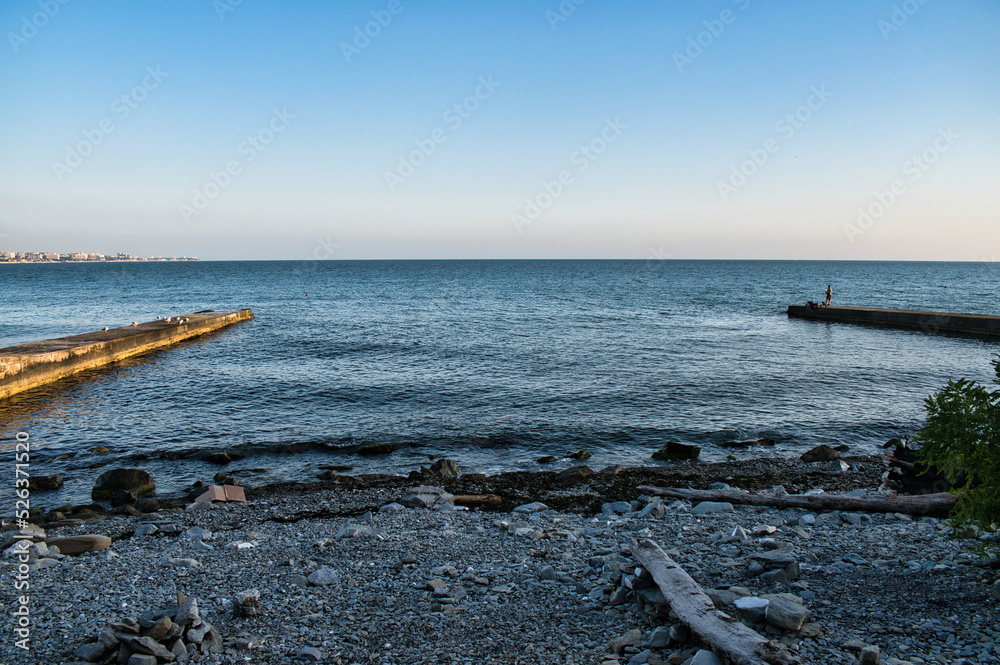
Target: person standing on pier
829,294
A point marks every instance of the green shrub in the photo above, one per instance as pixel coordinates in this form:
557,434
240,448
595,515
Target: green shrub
961,438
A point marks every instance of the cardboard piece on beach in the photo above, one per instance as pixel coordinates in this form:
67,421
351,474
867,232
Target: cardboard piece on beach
222,493
234,493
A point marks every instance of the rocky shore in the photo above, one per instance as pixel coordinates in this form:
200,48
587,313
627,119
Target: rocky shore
365,570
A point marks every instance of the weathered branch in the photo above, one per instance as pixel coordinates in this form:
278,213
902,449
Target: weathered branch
933,505
472,500
726,636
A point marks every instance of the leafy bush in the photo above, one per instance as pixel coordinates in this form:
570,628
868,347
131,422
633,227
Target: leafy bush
962,438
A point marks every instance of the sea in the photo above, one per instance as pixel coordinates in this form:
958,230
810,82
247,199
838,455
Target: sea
493,364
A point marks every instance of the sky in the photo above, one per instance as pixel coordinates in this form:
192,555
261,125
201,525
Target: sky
256,129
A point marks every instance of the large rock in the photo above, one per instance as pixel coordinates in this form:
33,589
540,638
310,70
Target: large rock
705,657
444,468
426,496
752,608
712,507
576,473
870,655
91,653
45,483
222,457
677,451
136,481
632,638
122,498
785,614
247,603
323,577
150,646
187,612
821,453
79,544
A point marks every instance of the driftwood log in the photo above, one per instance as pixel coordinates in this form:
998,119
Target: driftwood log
932,505
726,636
472,500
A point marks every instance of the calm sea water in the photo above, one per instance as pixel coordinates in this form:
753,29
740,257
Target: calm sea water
491,363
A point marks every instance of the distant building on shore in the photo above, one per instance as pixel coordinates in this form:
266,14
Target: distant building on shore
76,257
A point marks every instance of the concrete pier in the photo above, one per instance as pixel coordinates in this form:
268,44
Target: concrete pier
932,322
29,365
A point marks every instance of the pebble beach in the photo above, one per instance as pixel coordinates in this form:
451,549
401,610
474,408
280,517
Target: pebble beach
358,570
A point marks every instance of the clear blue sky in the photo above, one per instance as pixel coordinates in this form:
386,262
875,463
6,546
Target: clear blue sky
182,85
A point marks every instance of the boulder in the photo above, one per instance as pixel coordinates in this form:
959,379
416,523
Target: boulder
547,459
323,577
147,505
187,612
79,544
705,657
160,629
821,453
122,498
576,473
141,659
579,455
45,483
785,614
870,655
751,608
677,451
426,497
749,443
247,603
444,468
311,654
712,507
91,653
150,646
136,481
222,457
632,638
375,449
659,639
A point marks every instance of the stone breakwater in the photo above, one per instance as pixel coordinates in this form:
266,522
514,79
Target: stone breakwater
31,365
339,573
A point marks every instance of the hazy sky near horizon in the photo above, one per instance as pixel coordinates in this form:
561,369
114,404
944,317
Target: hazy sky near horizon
227,129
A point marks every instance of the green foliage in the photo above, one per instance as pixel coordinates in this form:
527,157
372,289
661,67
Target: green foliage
961,438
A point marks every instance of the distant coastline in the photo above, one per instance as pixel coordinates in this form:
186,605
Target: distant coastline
82,257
